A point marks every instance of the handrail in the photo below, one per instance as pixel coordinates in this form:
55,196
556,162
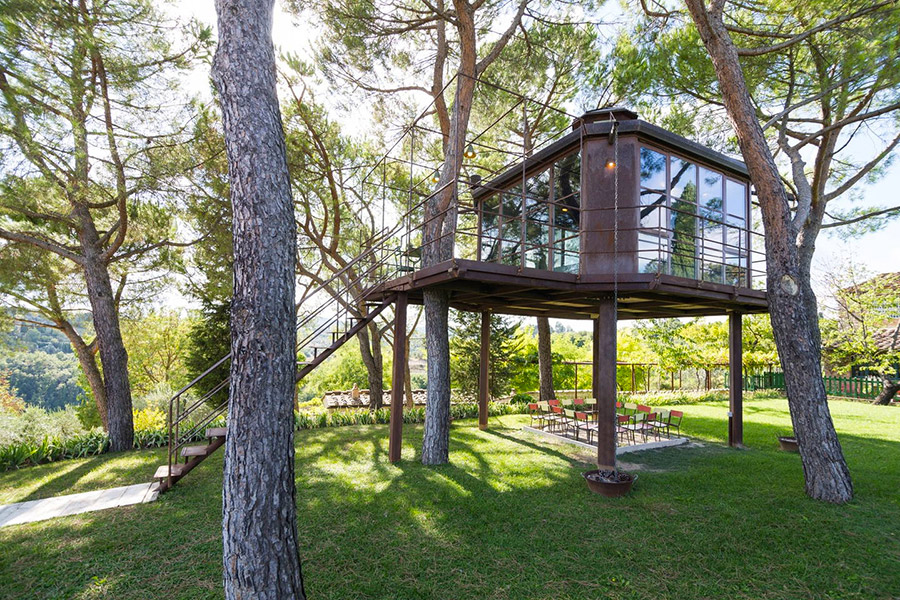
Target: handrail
380,246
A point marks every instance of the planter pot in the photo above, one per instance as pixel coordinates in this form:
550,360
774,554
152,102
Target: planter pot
610,484
788,444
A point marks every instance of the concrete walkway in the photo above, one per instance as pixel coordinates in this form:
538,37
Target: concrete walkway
73,504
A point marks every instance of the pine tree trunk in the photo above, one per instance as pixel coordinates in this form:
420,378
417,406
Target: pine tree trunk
88,362
259,530
105,314
545,359
370,350
436,440
438,238
792,304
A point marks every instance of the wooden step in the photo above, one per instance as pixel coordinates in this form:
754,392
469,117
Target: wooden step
195,451
163,471
215,432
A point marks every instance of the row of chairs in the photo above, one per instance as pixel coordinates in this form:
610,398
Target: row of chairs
579,416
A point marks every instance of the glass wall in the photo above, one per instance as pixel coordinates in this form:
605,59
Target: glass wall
536,224
693,221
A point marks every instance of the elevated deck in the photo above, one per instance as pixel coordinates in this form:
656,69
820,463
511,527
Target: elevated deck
507,289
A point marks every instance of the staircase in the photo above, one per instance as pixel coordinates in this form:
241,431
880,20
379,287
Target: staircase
199,417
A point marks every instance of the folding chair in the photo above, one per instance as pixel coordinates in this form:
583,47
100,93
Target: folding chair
583,423
660,423
622,428
675,417
534,411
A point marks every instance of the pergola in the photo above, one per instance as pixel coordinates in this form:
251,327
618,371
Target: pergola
618,219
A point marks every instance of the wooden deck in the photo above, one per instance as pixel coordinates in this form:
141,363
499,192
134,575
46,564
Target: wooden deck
505,289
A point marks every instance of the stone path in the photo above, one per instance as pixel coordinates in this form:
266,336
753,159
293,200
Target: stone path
73,504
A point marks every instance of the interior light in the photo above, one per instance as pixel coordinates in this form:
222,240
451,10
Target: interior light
611,164
436,176
565,209
470,152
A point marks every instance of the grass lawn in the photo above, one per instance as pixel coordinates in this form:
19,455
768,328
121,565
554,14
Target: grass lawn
509,518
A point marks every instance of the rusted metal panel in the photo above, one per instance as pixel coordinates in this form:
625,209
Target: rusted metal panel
604,386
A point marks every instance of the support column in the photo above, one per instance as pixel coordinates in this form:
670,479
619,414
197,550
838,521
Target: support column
735,381
398,377
484,390
604,388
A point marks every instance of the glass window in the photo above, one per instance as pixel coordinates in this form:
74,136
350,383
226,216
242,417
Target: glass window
683,230
652,253
537,189
538,224
490,249
567,176
710,193
684,180
653,170
736,197
512,202
511,230
490,225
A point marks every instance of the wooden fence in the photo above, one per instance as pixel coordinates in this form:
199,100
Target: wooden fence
848,387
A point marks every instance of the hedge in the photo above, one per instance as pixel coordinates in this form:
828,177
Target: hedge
96,442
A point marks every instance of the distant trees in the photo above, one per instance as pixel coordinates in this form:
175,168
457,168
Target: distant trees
47,380
864,329
465,353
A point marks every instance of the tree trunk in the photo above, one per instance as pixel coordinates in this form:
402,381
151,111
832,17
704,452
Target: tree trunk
88,362
370,350
792,304
105,314
407,389
888,391
259,529
545,359
438,237
436,441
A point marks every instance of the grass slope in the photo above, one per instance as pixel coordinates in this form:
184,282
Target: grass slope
509,518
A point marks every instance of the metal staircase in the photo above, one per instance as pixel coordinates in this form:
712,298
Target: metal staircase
199,417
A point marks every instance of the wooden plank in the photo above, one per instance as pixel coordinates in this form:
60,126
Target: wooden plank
735,381
484,370
398,377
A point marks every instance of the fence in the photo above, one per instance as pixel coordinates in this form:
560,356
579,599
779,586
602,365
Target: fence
848,387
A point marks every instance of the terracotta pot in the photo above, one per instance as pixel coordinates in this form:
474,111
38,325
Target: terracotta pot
606,487
788,443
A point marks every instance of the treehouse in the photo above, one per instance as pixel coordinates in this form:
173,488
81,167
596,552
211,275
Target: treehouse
618,219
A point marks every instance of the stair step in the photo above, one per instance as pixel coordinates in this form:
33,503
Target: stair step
216,432
163,471
195,451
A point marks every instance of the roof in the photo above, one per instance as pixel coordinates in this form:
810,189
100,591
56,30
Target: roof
644,130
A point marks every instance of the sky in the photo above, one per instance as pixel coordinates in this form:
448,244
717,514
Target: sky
878,252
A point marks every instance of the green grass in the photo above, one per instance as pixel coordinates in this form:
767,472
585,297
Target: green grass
509,518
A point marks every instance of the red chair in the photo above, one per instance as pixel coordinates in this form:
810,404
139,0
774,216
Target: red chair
622,427
583,423
644,408
578,401
556,420
675,417
535,412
